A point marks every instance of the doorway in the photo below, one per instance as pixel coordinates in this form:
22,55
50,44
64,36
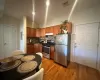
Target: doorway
8,41
86,44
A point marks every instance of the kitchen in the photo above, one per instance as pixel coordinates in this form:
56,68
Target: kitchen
69,51
43,37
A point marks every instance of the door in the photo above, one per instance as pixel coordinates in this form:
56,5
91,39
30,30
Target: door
10,42
1,42
86,41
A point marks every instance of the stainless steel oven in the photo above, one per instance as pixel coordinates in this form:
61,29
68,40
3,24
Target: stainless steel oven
46,51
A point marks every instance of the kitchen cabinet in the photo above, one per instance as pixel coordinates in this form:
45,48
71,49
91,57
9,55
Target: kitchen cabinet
49,30
56,29
40,47
37,48
28,31
37,32
31,32
52,52
34,48
30,49
42,32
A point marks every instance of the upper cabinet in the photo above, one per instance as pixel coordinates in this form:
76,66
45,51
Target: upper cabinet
42,32
56,29
37,32
49,30
31,32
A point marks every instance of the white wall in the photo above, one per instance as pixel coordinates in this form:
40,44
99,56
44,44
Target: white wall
86,16
23,31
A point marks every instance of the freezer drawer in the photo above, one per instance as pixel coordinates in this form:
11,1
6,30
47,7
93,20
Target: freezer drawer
60,55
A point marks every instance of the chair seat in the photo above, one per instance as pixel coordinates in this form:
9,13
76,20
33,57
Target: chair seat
37,76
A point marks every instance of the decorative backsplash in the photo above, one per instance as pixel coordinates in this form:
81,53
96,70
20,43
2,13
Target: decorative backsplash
32,40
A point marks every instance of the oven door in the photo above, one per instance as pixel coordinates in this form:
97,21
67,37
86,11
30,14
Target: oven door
46,51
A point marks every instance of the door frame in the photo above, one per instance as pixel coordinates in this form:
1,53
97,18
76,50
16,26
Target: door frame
98,60
73,45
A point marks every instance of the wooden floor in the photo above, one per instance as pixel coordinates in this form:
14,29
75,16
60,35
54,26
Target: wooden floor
53,71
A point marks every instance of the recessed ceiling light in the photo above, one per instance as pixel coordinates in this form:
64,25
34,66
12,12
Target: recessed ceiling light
33,13
47,2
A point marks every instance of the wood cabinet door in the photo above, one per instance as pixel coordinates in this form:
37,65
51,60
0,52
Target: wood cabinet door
40,47
46,30
42,30
49,30
37,32
28,31
33,32
52,52
30,49
56,30
36,49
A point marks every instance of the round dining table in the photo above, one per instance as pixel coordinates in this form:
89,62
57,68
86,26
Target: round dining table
13,73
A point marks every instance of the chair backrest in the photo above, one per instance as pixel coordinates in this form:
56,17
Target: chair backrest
40,54
37,76
17,52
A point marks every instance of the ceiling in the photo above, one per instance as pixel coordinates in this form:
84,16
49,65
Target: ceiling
57,11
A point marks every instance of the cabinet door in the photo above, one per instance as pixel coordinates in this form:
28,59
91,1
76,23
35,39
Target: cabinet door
35,48
30,49
46,30
50,29
52,52
42,30
37,32
33,32
28,31
40,47
56,30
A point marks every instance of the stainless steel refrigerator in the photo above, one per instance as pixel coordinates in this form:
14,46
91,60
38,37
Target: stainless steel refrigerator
62,49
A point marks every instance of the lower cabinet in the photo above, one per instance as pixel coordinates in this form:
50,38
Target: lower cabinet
52,49
37,48
30,49
34,48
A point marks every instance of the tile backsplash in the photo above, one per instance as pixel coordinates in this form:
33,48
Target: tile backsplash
32,40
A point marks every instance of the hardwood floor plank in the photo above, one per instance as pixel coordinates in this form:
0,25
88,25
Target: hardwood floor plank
74,71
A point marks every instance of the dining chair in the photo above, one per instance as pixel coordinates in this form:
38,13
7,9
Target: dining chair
17,52
37,76
40,54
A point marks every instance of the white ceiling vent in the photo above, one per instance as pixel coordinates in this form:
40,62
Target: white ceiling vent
65,3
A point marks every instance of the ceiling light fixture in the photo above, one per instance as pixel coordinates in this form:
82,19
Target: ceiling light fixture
46,13
47,2
73,7
33,13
